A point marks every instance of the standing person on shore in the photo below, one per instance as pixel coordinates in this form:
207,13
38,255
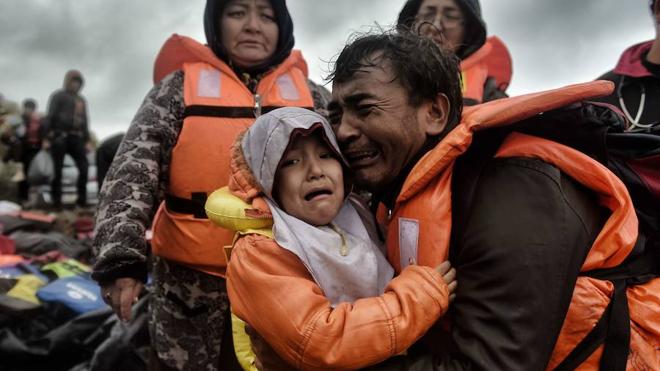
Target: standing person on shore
68,133
30,142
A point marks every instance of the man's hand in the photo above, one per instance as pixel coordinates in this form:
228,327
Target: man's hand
266,358
121,295
449,276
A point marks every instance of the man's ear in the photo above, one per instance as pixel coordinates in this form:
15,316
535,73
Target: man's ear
437,115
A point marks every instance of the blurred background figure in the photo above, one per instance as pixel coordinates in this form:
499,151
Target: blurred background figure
10,168
104,155
637,80
68,133
32,135
458,25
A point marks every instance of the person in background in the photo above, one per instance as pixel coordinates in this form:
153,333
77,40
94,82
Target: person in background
637,80
68,133
31,138
175,153
458,26
105,153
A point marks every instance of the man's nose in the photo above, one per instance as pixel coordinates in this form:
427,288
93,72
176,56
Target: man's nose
346,130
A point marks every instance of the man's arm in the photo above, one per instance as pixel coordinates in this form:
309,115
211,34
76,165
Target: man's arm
53,111
528,230
85,125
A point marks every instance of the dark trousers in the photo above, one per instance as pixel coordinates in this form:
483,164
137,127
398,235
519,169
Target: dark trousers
74,146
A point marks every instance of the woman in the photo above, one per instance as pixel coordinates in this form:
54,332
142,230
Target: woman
174,154
457,25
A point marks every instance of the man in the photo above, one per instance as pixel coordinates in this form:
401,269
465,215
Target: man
510,214
68,133
637,79
457,25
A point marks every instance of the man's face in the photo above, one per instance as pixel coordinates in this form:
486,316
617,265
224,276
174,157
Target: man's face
378,130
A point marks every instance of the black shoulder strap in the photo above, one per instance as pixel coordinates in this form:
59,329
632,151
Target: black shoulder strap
228,112
613,327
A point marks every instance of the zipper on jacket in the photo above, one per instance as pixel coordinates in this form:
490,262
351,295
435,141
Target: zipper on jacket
257,105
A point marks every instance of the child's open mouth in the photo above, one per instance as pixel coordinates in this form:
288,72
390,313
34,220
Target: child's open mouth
317,193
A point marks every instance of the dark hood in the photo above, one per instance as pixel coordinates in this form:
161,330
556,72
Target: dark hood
475,27
73,74
630,64
284,44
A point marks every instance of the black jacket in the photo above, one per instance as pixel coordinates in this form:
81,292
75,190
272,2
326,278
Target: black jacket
635,78
67,112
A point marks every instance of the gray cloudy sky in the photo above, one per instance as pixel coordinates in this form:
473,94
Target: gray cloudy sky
113,43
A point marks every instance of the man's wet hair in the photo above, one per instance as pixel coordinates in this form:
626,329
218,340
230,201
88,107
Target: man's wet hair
420,66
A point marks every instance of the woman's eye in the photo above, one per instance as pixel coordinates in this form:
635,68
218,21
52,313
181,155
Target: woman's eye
269,17
452,16
427,17
236,13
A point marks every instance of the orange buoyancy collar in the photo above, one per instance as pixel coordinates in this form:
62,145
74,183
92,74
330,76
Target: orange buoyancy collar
420,225
422,213
491,60
218,108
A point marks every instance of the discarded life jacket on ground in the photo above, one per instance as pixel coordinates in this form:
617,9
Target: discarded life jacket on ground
218,108
79,293
486,73
619,278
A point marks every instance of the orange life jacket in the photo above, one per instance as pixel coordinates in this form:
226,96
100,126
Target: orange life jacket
419,226
218,108
491,60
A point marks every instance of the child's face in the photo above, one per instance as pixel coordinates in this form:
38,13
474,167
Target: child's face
310,181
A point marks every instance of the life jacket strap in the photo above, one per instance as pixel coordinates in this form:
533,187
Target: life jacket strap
613,327
194,205
228,112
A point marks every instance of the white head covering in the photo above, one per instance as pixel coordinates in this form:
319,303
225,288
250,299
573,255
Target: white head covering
363,271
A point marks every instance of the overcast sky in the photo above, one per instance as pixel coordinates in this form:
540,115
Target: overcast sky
113,43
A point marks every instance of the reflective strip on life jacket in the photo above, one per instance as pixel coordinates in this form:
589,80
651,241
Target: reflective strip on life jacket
201,157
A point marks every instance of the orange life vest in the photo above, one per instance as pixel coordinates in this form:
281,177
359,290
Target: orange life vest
419,226
491,60
218,108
